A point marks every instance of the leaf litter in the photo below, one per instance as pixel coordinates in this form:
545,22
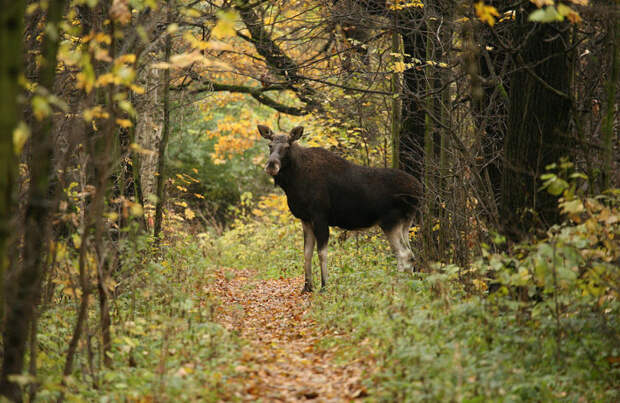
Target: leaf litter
283,359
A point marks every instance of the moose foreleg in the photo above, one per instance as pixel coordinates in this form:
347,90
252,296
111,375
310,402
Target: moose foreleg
309,241
321,232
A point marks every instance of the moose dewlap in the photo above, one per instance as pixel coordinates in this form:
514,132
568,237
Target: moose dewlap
323,190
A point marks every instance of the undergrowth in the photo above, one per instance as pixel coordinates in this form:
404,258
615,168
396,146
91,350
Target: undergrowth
166,342
537,323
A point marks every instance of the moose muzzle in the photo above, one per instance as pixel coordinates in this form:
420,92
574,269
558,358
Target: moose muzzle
272,167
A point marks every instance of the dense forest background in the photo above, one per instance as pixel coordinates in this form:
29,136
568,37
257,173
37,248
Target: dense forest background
134,202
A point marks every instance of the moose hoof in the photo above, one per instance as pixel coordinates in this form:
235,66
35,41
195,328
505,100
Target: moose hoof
307,288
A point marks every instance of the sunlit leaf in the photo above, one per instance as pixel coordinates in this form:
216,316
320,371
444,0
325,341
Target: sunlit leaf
20,135
125,123
189,214
225,26
40,107
569,13
486,13
547,14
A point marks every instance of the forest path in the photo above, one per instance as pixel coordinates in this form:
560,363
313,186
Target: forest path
281,360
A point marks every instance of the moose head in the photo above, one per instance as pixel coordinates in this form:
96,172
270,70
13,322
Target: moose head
279,147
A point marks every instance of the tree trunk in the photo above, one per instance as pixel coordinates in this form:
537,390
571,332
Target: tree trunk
161,178
610,114
27,283
411,144
537,125
396,88
11,32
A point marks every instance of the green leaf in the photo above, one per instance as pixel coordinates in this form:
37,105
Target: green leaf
579,175
548,14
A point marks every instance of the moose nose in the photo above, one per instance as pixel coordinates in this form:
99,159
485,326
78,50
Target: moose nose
272,167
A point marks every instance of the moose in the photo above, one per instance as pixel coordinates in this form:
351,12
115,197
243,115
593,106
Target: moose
322,190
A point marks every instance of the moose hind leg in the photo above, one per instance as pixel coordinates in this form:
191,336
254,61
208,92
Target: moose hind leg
407,244
309,241
321,232
403,253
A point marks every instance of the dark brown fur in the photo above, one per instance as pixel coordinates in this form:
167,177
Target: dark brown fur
325,190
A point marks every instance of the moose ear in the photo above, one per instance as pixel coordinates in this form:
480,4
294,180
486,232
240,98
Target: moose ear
296,134
265,132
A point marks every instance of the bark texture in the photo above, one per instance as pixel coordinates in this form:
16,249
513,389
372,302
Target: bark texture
537,125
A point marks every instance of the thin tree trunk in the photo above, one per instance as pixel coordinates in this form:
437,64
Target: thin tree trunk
27,283
608,124
429,155
11,32
32,347
105,153
161,177
396,102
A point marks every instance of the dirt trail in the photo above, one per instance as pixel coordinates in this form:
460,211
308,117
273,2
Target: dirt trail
282,361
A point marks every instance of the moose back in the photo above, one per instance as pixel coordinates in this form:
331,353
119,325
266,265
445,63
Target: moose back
323,190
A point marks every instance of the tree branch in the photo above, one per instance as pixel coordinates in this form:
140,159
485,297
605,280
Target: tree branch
280,63
256,93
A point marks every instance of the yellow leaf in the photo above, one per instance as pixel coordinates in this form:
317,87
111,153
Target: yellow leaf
136,209
189,214
569,13
137,89
105,79
128,58
125,123
399,67
225,26
77,240
95,112
103,55
71,292
486,13
32,8
40,107
20,136
103,38
135,147
119,11
85,81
